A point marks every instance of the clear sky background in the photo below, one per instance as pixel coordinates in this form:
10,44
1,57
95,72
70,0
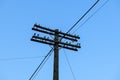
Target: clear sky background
98,59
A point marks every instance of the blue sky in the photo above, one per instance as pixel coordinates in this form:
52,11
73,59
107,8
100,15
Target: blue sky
98,59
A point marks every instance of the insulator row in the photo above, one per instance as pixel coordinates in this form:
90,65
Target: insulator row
50,41
51,31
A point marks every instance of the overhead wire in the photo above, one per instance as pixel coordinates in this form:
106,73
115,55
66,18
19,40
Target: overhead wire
20,58
62,38
77,29
83,15
92,14
69,65
41,64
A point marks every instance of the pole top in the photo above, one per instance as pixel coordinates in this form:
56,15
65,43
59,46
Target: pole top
56,30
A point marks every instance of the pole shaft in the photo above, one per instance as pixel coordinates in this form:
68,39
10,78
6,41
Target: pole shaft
56,57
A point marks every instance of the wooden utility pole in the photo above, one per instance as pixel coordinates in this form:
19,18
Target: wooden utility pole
56,42
56,57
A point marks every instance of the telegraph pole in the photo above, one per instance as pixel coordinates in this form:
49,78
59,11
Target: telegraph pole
56,43
56,56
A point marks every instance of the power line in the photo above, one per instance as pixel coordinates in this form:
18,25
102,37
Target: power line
76,30
41,64
20,58
69,65
92,15
83,15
